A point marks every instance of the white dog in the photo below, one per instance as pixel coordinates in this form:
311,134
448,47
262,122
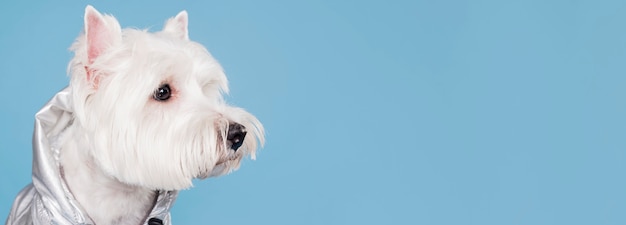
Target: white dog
143,116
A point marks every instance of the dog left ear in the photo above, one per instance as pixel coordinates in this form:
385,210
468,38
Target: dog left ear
178,26
101,32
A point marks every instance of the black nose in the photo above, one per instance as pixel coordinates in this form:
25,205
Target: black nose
236,134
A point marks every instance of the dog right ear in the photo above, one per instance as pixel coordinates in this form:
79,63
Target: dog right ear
101,33
178,26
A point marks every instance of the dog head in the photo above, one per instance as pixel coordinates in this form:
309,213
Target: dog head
149,106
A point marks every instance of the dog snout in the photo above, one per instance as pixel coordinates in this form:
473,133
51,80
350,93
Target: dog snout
236,134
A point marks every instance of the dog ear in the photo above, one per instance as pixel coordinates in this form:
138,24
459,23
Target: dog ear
101,32
178,26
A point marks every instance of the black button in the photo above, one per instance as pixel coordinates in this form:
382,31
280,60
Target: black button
155,221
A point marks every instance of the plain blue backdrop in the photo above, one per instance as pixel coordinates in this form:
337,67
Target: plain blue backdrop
377,112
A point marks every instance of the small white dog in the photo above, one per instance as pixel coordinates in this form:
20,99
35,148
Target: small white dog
143,116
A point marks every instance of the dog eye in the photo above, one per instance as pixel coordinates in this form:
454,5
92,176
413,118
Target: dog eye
162,93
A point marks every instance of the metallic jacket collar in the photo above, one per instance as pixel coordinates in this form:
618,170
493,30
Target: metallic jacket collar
48,200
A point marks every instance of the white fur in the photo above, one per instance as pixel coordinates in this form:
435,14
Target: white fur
123,145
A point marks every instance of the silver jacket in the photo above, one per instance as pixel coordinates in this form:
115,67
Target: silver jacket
47,200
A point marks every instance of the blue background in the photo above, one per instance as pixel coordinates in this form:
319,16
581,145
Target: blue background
378,112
